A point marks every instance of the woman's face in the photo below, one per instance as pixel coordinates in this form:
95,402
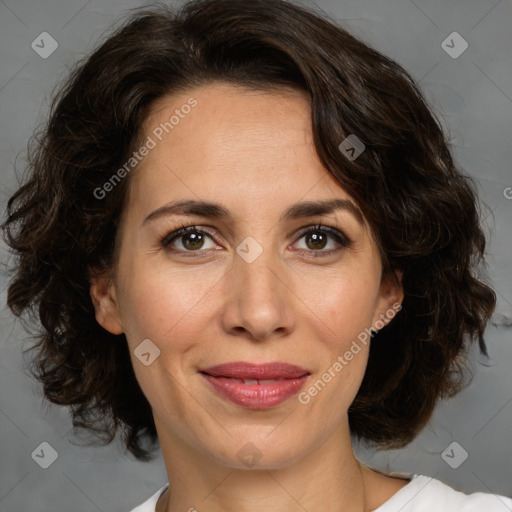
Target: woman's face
254,287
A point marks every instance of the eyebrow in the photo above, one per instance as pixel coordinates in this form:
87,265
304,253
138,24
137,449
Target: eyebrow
217,211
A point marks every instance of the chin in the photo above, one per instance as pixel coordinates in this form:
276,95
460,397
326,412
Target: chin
259,453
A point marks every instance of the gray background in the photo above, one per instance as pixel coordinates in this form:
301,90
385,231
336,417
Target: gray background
473,95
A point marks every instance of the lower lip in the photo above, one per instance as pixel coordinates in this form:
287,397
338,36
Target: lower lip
256,396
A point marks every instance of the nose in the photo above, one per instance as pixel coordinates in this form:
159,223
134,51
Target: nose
260,298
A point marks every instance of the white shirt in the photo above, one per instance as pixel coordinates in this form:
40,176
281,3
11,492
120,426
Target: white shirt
421,494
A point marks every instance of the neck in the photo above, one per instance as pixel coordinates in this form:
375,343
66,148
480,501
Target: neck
329,478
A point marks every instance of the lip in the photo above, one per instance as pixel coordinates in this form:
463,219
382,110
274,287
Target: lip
228,381
243,370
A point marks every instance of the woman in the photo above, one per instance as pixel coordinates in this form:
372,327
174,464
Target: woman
246,239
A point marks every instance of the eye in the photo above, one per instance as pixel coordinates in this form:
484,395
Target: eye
317,238
192,239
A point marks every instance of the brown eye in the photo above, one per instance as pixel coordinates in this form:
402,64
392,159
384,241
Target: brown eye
192,239
317,239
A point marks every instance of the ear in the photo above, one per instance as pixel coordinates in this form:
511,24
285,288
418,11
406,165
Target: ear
103,295
389,302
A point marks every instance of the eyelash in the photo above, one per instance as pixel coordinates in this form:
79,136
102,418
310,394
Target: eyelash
334,233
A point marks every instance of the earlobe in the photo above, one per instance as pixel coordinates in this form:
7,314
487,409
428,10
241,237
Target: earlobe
103,296
399,291
391,297
395,289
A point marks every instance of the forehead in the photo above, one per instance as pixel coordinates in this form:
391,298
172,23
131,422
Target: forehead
226,117
234,145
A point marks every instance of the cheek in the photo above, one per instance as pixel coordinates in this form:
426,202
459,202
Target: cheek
165,305
342,303
167,308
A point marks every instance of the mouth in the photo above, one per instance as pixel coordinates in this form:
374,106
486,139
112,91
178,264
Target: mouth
256,386
251,371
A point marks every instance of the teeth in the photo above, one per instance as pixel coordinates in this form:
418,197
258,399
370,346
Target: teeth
250,381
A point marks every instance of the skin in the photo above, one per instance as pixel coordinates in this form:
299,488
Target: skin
252,152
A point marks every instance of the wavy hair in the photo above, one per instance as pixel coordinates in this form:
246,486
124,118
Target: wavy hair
423,211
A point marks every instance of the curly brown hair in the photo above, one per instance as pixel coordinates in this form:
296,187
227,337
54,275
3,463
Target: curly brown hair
423,211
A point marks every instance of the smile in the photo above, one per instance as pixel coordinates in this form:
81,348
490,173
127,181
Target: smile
256,386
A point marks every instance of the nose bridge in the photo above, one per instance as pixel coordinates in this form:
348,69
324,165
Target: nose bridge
255,266
259,301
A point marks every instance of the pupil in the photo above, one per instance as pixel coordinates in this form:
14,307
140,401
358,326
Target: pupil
317,238
196,241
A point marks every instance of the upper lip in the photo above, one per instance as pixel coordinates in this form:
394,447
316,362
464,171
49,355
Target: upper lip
243,370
